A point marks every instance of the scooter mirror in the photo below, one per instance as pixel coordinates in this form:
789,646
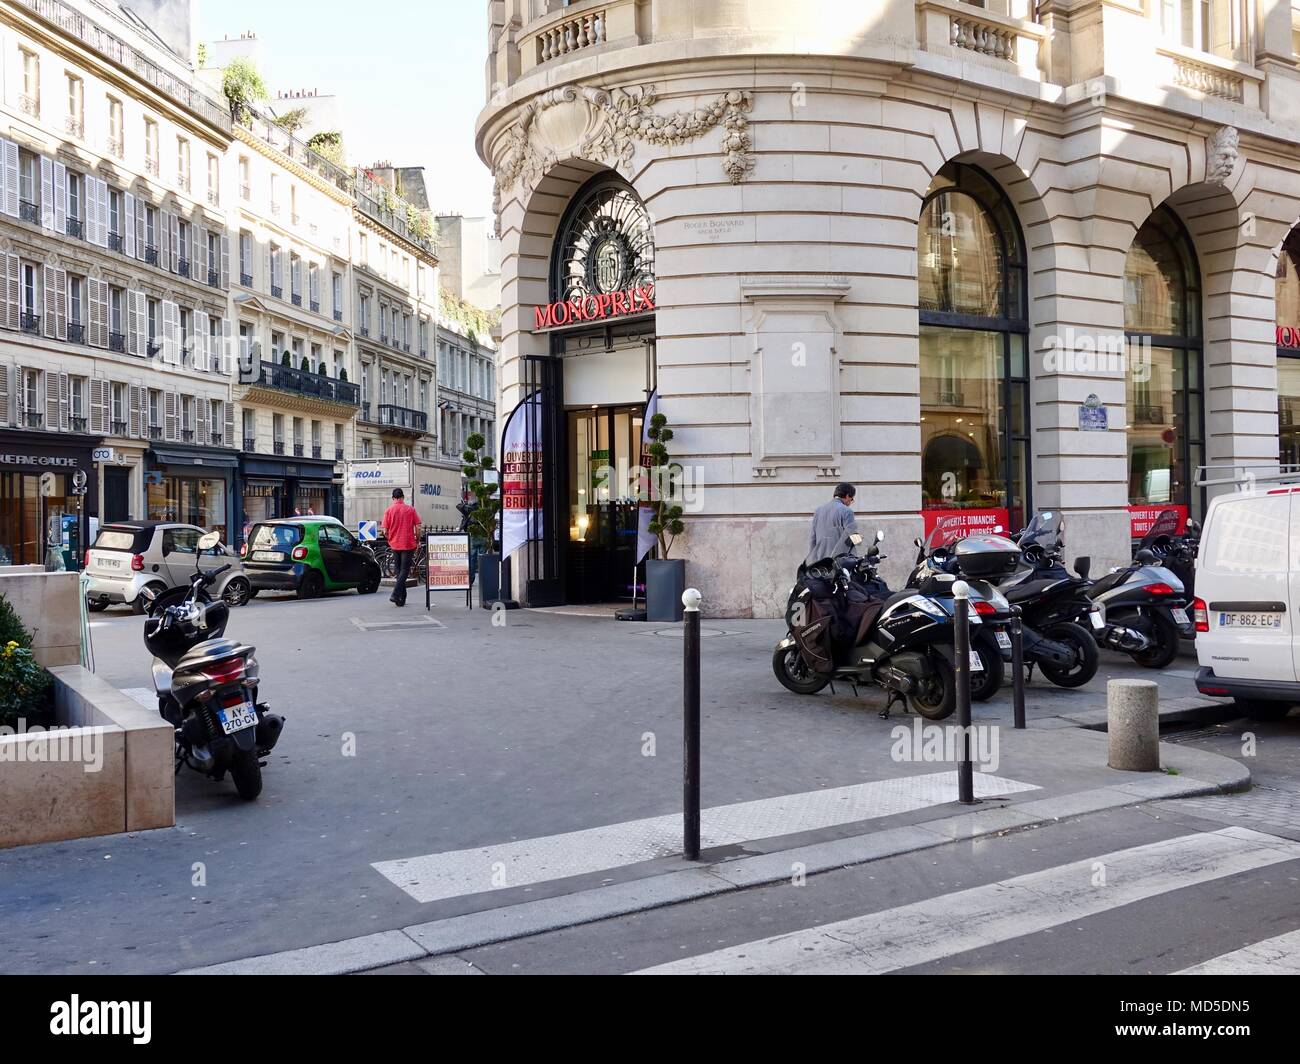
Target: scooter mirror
209,540
1082,565
880,535
917,542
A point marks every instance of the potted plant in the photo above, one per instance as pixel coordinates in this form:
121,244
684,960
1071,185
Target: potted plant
305,365
482,518
285,360
665,578
243,86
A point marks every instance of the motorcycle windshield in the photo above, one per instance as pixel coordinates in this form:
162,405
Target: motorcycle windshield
1043,531
947,531
1164,525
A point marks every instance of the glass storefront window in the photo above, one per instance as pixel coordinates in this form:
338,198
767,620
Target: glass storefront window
36,529
189,501
1166,421
1288,350
973,368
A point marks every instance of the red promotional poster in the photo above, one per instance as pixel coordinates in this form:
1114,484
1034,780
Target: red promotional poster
961,523
1141,518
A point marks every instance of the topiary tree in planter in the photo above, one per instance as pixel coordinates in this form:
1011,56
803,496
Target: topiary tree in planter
305,366
666,523
343,374
482,523
285,360
665,577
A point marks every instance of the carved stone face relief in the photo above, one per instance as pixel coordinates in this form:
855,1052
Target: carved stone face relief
1222,149
578,121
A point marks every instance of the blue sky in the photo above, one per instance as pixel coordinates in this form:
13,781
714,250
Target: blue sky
409,74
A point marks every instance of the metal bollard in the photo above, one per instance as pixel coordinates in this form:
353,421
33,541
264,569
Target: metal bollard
691,724
1133,725
1017,668
961,653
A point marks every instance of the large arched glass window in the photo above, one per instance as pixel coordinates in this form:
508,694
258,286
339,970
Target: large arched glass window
974,377
1162,322
1288,350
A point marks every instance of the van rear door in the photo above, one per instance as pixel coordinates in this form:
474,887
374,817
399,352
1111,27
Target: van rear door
1244,576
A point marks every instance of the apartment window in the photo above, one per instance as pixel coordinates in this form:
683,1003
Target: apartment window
187,414
185,331
155,402
77,397
115,212
214,257
151,161
214,179
31,390
151,230
116,300
337,286
275,194
246,258
31,293
424,395
183,163
365,314
365,448
76,106
293,203
277,431
183,246
76,187
245,188
250,430
214,344
151,306
363,247
119,408
29,180
30,101
317,363
116,130
76,297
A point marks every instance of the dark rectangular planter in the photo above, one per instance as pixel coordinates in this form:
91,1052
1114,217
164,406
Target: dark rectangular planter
665,580
489,579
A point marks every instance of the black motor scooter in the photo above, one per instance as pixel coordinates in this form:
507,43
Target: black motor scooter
903,642
1144,603
207,685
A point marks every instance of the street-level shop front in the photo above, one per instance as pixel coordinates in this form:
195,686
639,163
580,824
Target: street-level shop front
191,484
271,486
43,519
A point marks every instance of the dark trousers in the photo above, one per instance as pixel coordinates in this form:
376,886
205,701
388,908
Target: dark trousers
404,560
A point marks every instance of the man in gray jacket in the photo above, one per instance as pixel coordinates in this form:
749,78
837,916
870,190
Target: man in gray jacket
833,524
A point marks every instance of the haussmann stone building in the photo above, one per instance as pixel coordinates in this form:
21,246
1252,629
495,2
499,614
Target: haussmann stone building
980,261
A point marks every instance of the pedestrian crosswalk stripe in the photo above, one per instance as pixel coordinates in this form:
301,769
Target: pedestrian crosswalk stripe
953,923
1273,956
514,864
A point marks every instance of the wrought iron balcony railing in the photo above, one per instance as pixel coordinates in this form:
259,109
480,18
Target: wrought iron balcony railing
29,212
404,418
306,383
117,342
76,333
29,323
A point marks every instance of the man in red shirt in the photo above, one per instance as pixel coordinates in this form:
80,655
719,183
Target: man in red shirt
399,524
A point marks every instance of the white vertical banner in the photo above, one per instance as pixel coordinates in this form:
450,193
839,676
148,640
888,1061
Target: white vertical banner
521,475
646,541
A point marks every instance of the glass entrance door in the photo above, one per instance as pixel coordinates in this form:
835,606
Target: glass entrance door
604,453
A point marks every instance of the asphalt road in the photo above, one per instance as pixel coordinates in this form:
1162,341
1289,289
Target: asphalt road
424,739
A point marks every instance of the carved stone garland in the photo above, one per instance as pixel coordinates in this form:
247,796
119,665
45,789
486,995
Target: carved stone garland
622,118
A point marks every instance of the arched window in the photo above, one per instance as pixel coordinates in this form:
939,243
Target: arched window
1162,322
974,377
1288,350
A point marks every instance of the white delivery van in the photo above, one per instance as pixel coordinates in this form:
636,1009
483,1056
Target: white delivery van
1247,595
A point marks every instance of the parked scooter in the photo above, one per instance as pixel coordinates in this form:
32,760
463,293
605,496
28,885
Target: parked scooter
207,685
903,642
1051,638
1054,605
1144,604
990,641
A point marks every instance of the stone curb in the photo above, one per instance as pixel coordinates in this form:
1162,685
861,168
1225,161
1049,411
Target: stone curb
1215,775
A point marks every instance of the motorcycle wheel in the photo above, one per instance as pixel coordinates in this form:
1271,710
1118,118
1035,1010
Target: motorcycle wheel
938,696
246,772
1164,634
988,681
794,673
1080,640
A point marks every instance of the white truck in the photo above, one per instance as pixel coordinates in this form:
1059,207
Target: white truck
434,490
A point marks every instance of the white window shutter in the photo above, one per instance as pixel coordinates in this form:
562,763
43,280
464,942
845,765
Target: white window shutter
13,291
51,400
64,416
135,322
128,226
227,348
60,198
47,193
224,279
9,183
49,289
230,424
170,416
202,356
98,312
171,349
61,303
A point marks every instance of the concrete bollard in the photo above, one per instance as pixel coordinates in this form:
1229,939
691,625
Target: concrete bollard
1133,725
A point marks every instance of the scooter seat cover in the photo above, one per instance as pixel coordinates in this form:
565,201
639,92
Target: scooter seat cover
209,650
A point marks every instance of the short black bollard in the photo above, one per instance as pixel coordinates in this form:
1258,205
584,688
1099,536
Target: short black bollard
1017,668
691,724
961,652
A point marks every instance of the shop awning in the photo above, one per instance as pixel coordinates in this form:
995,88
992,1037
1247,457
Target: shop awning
208,459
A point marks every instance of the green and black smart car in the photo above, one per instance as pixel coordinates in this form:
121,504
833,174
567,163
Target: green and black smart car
310,556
